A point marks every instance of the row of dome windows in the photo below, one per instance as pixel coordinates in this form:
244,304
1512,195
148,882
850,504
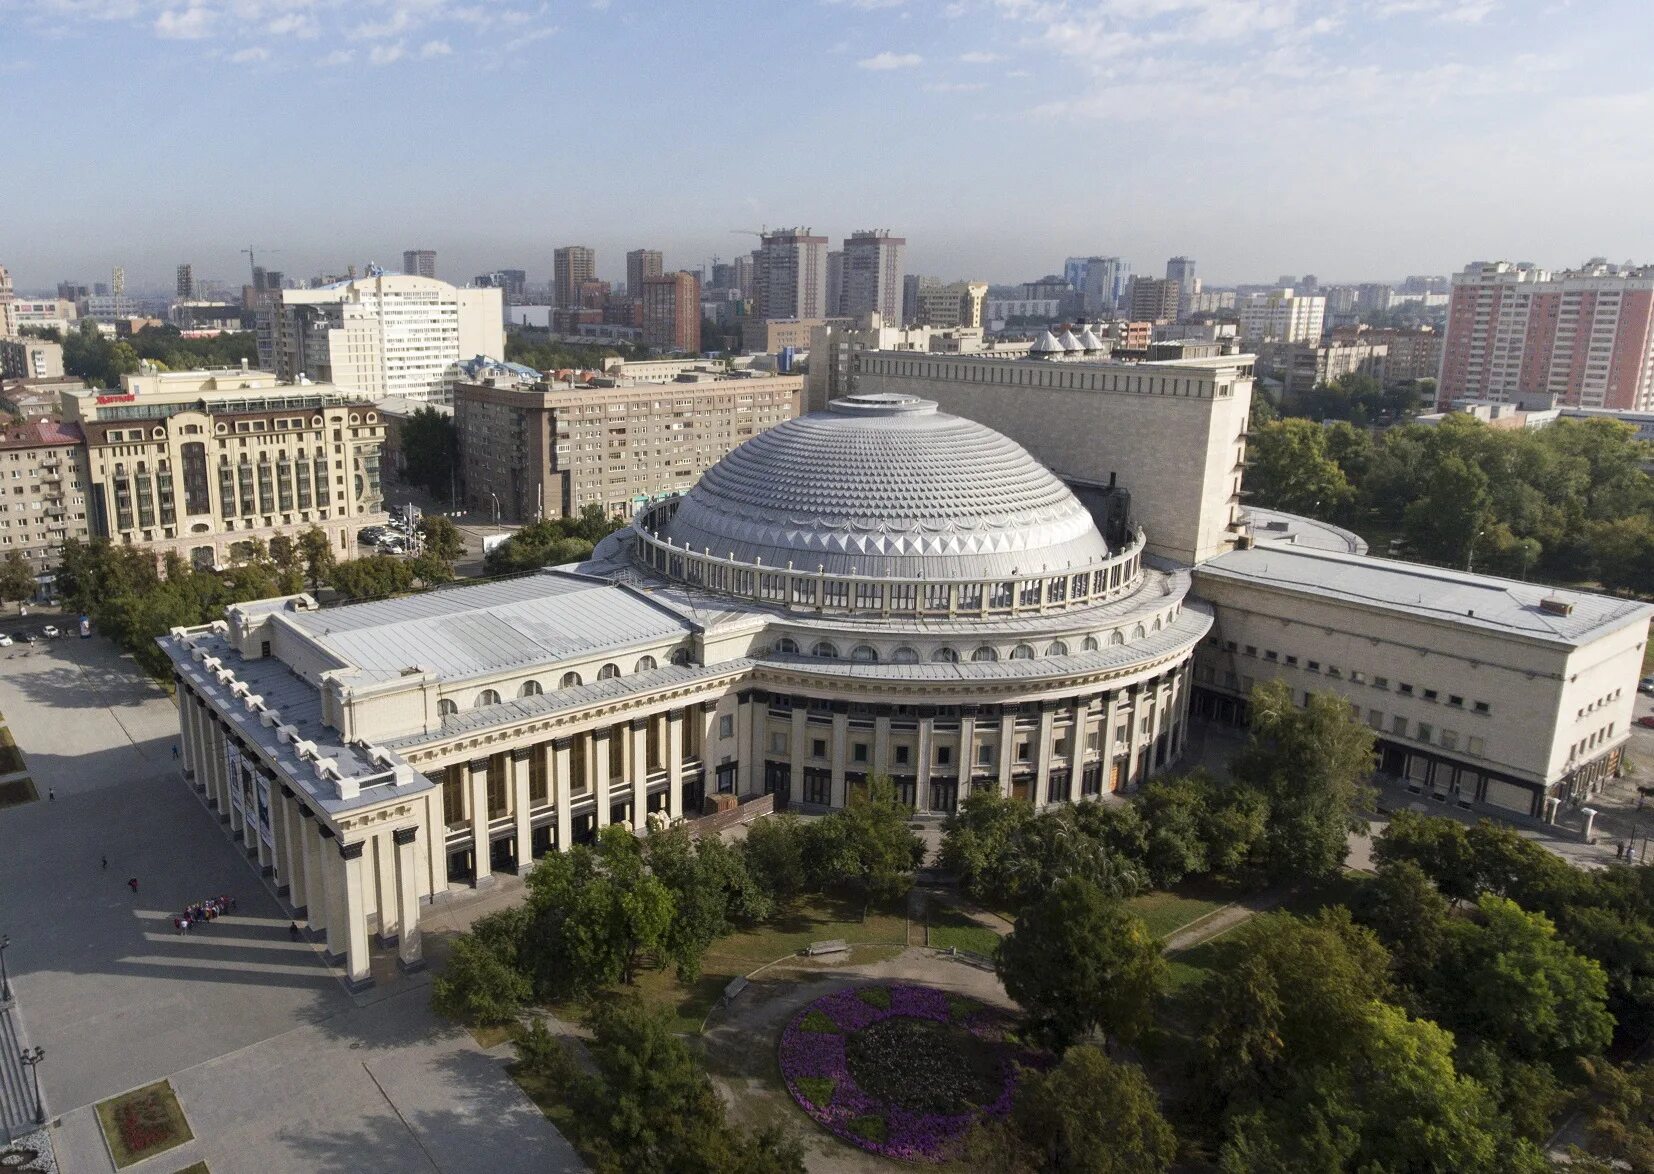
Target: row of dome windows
867,654
531,688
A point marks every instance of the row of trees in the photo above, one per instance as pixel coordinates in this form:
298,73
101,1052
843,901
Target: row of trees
101,361
537,349
597,915
1567,502
551,542
1360,399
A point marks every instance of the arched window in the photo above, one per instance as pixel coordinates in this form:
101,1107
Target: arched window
680,656
1090,644
487,697
1023,652
825,649
1156,627
984,653
904,655
570,680
446,708
608,672
1137,633
644,664
1057,648
945,655
530,689
865,653
1116,637
787,646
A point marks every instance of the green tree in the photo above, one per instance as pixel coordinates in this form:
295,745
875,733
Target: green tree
315,555
711,890
377,576
1620,1113
430,448
1453,513
1410,917
1623,551
441,539
866,844
1439,847
17,583
1313,765
979,843
773,850
478,986
1092,1115
1288,468
1078,962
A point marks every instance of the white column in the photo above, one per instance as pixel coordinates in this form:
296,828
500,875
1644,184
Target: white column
674,764
1078,710
1044,749
559,765
967,752
315,885
841,753
353,912
598,764
278,832
1007,748
409,951
294,849
333,881
1138,709
637,761
745,762
477,787
881,746
522,809
800,752
384,885
927,744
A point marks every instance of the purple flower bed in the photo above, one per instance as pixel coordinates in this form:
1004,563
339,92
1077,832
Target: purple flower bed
816,1064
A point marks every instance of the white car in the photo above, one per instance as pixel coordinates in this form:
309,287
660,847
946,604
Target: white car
50,632
5,640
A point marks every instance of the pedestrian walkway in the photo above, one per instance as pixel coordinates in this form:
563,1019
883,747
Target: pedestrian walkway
17,1115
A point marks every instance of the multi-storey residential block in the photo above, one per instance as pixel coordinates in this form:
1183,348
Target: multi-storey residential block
550,449
1281,315
1154,299
381,335
958,304
570,266
790,275
30,358
671,311
419,262
642,264
43,491
835,283
873,274
1583,336
1409,354
185,288
200,463
1100,281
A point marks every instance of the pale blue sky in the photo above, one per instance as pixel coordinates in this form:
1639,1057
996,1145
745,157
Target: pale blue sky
1351,138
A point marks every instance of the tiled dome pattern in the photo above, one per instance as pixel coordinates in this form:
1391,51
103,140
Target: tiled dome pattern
886,486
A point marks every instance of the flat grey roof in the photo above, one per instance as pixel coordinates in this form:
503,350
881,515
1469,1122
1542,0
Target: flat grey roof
1279,527
1413,589
470,631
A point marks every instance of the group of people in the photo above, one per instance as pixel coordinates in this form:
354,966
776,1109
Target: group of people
208,910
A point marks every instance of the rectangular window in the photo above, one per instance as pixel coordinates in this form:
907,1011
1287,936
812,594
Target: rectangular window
1314,666
859,752
1426,732
778,742
902,754
1405,689
944,756
726,725
1381,682
985,754
1024,752
1430,694
1398,725
818,748
1375,719
1455,700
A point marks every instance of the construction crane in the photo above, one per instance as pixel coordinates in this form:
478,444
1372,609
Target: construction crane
252,261
760,233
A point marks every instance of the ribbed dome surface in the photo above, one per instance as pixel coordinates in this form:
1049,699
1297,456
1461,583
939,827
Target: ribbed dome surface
887,486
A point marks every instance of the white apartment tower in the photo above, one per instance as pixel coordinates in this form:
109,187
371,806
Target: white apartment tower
1282,315
381,335
791,275
873,274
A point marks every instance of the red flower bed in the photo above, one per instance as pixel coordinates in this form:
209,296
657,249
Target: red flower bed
144,1123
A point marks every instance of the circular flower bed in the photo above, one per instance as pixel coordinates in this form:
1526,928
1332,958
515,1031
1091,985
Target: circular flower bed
903,1071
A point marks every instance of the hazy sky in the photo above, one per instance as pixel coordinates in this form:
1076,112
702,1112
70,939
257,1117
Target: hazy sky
1350,138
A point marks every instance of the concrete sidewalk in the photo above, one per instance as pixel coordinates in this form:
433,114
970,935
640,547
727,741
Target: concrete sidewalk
17,1104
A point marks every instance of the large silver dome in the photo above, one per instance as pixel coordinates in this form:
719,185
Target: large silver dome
884,485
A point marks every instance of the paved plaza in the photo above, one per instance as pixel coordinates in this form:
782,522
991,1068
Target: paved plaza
277,1067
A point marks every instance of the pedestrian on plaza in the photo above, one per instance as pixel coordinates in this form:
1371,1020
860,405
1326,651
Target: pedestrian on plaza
132,883
51,794
106,864
293,931
1619,850
175,750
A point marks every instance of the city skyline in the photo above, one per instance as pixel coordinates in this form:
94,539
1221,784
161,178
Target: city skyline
1140,131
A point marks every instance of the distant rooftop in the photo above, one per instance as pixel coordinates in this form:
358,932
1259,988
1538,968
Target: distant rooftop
40,434
1277,527
1413,589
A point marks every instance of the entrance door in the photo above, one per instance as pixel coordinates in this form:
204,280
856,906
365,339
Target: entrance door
778,781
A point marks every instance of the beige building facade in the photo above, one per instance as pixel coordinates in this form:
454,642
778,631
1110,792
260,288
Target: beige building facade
200,463
43,491
30,358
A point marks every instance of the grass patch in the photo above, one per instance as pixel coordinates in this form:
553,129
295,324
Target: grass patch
1342,889
818,1090
819,1023
1167,911
951,928
875,996
872,1128
812,919
195,1168
492,1035
17,792
959,1007
142,1123
1188,967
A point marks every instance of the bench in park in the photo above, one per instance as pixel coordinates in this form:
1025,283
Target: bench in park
833,946
735,987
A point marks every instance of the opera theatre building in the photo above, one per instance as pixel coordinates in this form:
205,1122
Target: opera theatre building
878,588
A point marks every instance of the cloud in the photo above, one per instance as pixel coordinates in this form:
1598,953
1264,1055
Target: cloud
385,54
867,5
292,24
338,57
977,57
185,24
432,49
889,60
955,87
249,55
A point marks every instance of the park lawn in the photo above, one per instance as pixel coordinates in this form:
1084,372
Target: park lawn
142,1123
195,1168
812,919
951,928
1166,911
1188,967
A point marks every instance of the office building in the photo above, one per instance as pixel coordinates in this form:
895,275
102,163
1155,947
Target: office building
912,284
1301,367
571,266
380,335
1582,336
873,277
185,286
671,305
1100,281
790,274
44,504
1154,300
550,448
419,262
30,358
1281,315
201,463
958,304
1182,271
641,264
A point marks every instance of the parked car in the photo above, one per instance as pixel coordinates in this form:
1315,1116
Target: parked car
1646,685
5,640
50,632
370,535
24,637
1646,720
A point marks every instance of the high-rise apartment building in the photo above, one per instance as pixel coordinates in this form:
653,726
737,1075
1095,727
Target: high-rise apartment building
1584,336
381,335
551,449
1154,299
744,269
1100,281
642,264
958,304
912,285
45,500
30,358
672,311
185,287
1281,315
835,283
117,281
791,275
873,274
571,266
1182,271
8,301
419,262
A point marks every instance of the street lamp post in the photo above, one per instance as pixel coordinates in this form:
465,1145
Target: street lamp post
33,1057
5,982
